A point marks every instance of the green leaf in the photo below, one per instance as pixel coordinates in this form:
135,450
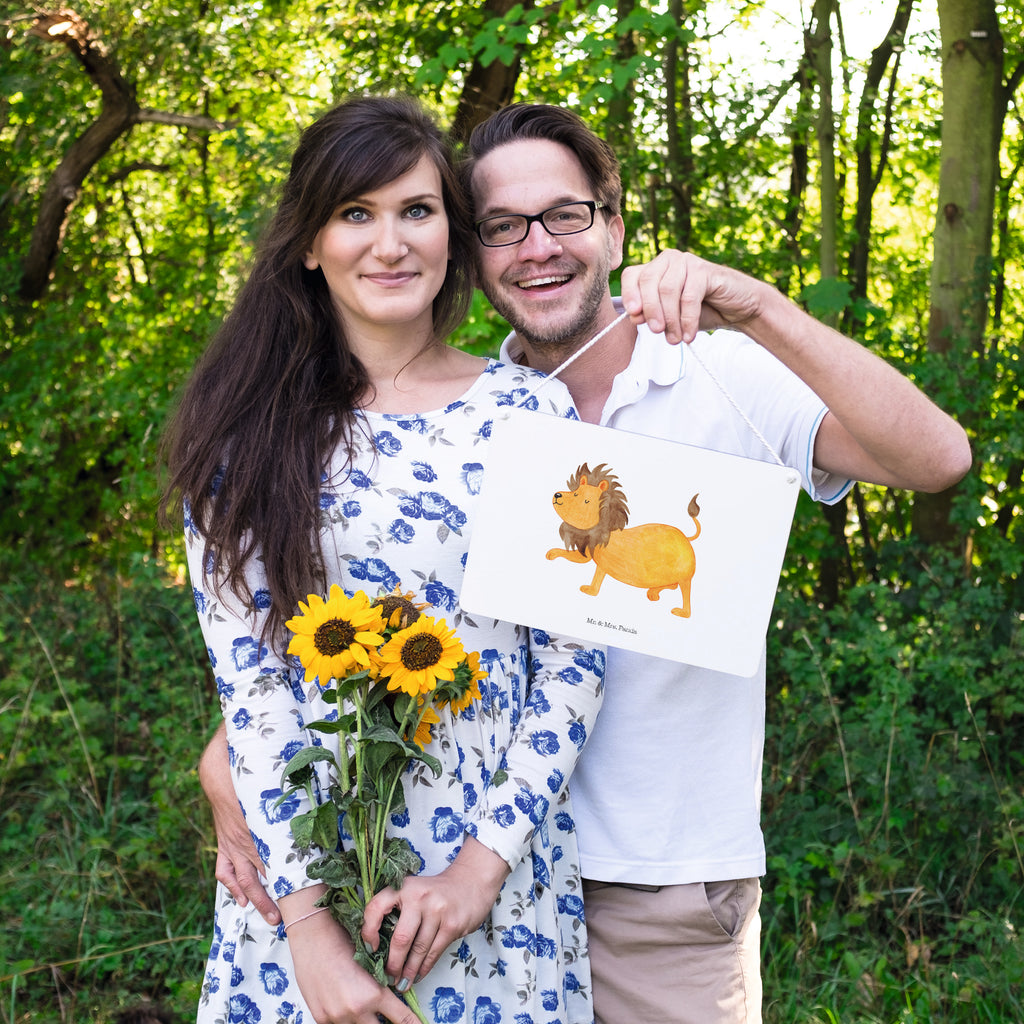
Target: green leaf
329,726
398,861
303,826
325,826
827,298
299,769
339,869
428,759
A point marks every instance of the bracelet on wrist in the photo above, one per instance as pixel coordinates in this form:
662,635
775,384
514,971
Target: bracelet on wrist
305,917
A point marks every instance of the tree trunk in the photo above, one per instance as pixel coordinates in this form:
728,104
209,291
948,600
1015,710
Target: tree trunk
973,105
679,132
819,55
487,89
619,130
869,170
117,115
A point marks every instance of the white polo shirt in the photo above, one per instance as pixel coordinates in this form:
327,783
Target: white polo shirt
668,789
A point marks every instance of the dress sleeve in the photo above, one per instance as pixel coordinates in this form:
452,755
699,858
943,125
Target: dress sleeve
263,706
565,691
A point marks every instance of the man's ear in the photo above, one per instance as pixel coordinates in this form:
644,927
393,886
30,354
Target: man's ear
616,236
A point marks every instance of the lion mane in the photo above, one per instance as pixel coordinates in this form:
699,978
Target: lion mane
614,512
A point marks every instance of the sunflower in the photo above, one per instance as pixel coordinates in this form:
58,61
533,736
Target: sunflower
399,609
417,657
472,692
423,734
332,636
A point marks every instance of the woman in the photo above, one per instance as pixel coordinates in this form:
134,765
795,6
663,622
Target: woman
330,436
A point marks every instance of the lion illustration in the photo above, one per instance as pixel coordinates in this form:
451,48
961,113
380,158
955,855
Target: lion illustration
654,556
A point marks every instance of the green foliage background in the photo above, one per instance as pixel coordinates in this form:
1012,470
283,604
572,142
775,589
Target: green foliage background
893,784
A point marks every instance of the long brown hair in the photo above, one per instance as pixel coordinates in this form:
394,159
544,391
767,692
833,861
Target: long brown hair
274,394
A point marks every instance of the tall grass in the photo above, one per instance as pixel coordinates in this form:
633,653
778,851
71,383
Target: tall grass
106,878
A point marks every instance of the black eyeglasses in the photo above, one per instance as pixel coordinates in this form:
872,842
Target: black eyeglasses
564,219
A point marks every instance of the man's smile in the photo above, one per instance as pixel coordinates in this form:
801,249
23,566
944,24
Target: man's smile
540,282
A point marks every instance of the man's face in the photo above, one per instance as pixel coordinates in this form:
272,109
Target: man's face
552,289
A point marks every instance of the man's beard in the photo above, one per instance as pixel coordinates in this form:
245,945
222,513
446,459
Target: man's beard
569,335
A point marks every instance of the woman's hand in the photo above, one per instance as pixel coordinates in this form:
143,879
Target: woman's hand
336,989
435,910
238,864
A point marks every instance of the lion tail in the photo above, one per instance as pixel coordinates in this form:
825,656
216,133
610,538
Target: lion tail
693,510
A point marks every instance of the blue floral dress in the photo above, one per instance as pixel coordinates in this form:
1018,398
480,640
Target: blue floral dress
402,516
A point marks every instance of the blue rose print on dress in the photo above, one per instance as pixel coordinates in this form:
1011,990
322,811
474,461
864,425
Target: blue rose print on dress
274,811
578,734
505,816
415,425
519,937
446,825
387,444
237,977
472,476
246,652
569,903
274,978
261,847
262,600
546,947
545,742
327,501
424,472
539,702
504,398
564,822
448,1006
484,433
290,749
555,781
487,1011
282,887
571,675
401,531
242,1010
351,509
454,518
441,596
590,660
357,478
541,875
374,570
533,805
199,598
549,999
241,718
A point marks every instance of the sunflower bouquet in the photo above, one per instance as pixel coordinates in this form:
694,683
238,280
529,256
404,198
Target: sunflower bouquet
390,669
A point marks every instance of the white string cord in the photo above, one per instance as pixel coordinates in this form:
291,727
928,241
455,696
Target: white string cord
721,387
732,401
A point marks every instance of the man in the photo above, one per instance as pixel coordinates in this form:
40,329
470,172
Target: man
667,792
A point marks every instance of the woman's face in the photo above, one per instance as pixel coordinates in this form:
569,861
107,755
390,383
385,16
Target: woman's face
385,254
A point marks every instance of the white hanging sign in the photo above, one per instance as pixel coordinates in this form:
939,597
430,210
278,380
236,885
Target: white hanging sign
629,541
